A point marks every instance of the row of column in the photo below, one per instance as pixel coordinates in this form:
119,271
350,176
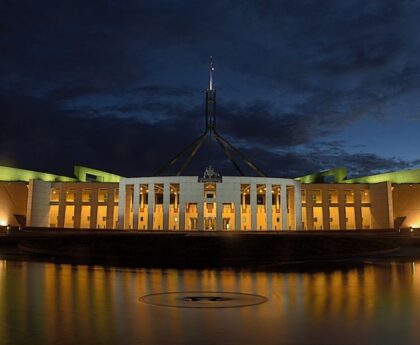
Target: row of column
341,205
200,206
78,203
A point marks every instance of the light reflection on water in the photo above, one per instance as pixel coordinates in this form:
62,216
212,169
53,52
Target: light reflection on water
43,303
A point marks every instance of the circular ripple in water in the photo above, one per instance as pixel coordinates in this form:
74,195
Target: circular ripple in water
203,299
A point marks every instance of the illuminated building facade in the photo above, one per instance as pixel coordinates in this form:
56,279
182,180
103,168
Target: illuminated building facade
98,200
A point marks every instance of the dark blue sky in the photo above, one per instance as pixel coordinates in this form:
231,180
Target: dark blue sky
302,86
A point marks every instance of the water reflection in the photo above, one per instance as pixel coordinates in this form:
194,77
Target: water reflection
45,303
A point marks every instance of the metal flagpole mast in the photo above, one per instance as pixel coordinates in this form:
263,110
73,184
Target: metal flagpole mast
210,130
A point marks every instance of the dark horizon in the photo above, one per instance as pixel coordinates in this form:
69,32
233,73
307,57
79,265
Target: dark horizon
301,86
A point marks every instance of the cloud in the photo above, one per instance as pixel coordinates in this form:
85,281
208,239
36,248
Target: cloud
164,91
99,83
41,136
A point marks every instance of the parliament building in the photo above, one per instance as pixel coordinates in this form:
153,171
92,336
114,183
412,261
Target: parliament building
98,200
95,199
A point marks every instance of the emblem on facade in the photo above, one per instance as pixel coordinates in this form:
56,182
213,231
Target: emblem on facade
210,175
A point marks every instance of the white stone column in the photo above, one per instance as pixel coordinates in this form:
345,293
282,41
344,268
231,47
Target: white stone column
268,206
200,211
38,203
238,204
77,207
136,197
110,209
253,204
62,206
357,207
150,206
342,209
94,209
283,205
121,204
200,206
166,200
181,206
219,216
298,206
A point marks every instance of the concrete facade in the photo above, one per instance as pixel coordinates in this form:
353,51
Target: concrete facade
13,203
204,206
347,206
38,203
183,203
406,204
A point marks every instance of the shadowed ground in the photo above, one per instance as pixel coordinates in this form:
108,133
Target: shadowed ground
205,249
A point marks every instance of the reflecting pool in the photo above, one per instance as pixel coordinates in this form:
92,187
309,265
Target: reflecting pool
45,303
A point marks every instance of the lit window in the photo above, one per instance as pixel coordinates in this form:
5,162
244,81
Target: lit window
87,195
303,196
70,195
316,197
333,196
55,194
349,196
365,196
103,195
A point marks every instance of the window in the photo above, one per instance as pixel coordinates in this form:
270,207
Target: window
303,196
93,178
348,196
70,195
365,196
316,197
103,195
86,195
333,196
209,195
159,199
55,194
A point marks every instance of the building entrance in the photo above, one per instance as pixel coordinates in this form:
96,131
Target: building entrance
193,223
209,223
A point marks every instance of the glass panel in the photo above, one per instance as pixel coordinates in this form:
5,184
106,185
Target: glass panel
69,216
102,217
303,196
316,197
365,196
55,194
86,195
350,218
103,195
366,218
53,216
349,196
334,218
70,195
317,218
85,217
333,196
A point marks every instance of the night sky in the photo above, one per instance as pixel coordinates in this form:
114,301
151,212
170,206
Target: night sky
302,86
